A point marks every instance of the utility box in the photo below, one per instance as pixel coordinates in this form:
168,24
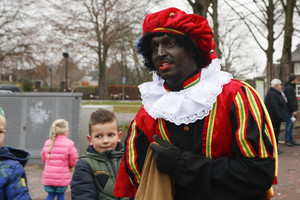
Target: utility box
86,112
29,117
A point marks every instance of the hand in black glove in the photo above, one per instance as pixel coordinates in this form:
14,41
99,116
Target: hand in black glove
166,155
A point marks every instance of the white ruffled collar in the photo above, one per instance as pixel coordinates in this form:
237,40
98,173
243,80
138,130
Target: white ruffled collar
188,105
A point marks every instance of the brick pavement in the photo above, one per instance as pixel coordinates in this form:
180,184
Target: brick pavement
34,174
288,187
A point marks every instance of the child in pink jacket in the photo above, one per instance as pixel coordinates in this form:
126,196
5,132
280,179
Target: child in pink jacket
59,154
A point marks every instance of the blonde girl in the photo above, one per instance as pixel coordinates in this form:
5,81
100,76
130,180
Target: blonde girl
59,154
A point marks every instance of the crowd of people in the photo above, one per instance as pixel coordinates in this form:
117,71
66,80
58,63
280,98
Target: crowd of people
200,134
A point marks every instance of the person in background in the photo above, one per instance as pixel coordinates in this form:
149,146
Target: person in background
96,170
212,134
59,155
13,180
276,104
292,108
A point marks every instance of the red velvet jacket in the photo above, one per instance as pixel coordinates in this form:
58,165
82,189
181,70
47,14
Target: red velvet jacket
236,130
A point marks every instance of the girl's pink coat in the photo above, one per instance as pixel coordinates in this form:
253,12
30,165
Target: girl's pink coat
63,156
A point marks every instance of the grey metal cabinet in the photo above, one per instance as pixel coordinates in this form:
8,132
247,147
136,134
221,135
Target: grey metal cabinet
30,115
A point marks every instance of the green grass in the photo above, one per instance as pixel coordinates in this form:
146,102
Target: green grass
124,130
131,109
119,106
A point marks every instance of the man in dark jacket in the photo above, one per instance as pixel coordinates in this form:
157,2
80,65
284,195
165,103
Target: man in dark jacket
292,107
276,104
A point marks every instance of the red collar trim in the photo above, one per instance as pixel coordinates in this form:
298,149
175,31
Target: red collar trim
189,82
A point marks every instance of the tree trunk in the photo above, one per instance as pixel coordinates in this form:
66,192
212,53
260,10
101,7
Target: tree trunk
286,56
102,89
216,27
200,7
270,49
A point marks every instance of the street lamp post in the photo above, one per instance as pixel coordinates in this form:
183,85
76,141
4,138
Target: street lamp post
50,69
123,89
66,56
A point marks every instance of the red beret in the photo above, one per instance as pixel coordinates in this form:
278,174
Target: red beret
178,22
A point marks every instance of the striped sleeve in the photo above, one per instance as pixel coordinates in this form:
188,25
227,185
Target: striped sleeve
252,136
136,145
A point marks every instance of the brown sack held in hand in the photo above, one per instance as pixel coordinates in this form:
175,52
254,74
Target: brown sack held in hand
154,185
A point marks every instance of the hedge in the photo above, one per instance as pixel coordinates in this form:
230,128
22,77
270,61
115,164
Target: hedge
88,92
131,92
114,92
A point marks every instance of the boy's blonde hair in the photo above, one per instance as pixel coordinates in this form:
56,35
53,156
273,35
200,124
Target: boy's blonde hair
58,127
2,116
3,120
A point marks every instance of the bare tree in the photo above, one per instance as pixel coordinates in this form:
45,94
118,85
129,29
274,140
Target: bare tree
14,42
129,60
139,73
289,10
214,15
260,18
97,27
234,49
230,39
200,7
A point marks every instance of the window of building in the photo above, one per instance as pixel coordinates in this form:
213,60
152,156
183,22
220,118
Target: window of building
297,68
298,89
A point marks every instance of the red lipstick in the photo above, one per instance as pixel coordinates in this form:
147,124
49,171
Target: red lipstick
164,65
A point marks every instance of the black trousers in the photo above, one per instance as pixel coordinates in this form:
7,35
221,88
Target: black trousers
276,128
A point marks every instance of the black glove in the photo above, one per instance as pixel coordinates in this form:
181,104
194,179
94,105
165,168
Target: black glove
166,155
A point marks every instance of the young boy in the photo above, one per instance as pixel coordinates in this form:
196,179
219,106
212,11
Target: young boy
13,181
96,170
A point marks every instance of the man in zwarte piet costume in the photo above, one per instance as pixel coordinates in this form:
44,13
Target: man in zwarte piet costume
209,134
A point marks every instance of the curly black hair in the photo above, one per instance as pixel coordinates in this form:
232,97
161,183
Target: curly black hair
183,40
